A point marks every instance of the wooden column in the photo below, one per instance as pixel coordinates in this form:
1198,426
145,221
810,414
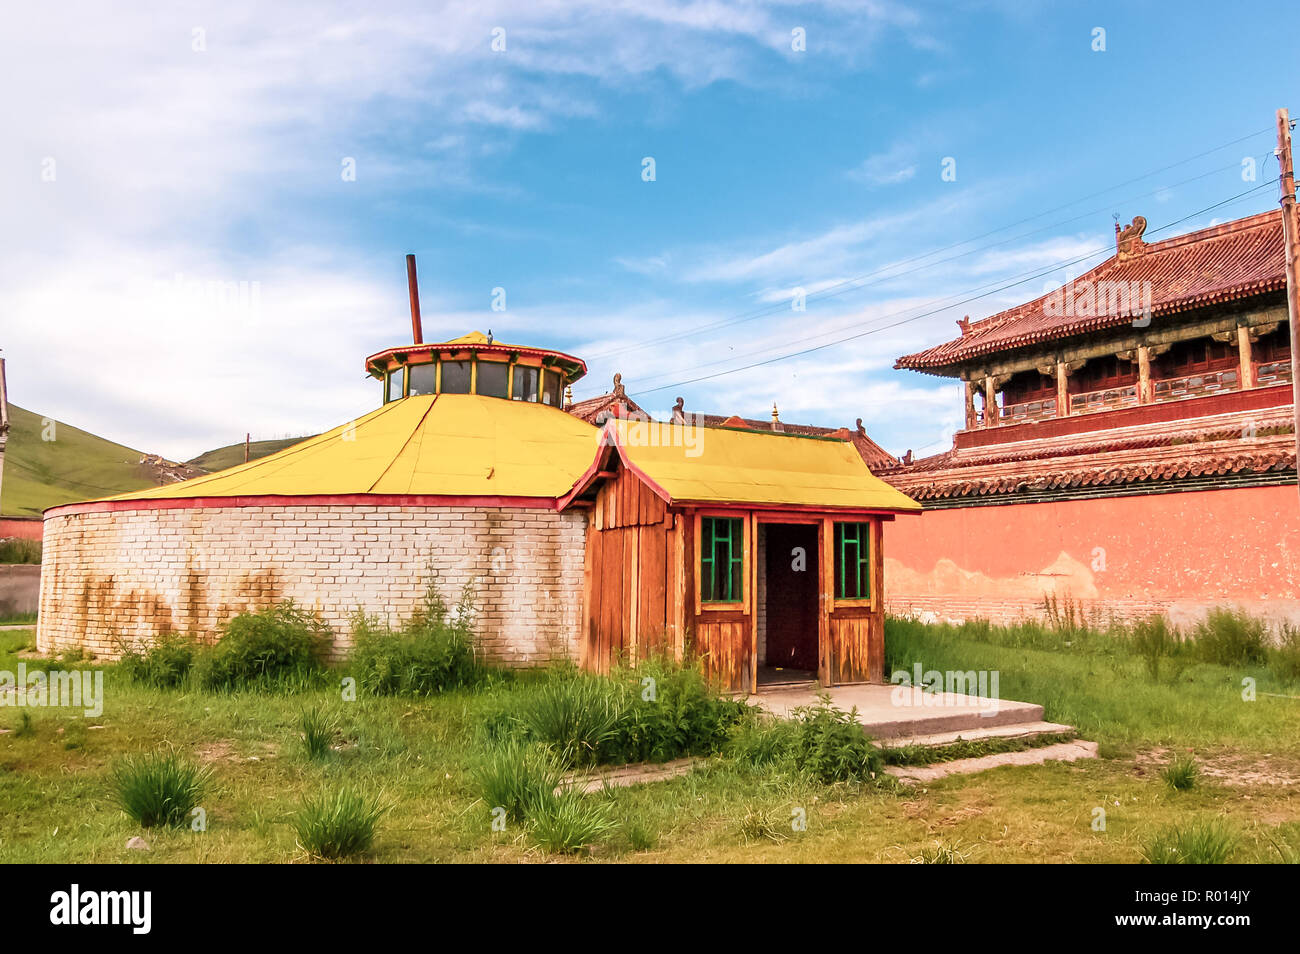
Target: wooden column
1243,352
1062,389
970,405
990,401
1144,375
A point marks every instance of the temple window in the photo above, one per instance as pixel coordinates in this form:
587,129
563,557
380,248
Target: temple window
493,379
394,391
456,377
852,561
424,379
551,388
722,561
526,380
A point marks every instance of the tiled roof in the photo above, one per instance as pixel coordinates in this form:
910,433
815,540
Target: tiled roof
1214,446
1230,261
872,454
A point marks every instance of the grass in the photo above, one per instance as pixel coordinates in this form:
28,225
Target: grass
48,463
337,824
318,732
425,753
159,789
1208,842
1181,774
232,455
18,550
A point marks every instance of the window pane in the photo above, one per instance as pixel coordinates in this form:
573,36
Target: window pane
493,377
551,389
722,568
424,378
455,377
852,563
394,384
525,383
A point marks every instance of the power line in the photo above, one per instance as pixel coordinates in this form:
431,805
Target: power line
850,284
733,357
934,311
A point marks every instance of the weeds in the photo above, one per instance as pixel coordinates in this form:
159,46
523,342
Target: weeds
164,665
1203,843
432,653
339,824
569,822
1231,637
280,646
1181,774
318,732
942,853
159,789
516,776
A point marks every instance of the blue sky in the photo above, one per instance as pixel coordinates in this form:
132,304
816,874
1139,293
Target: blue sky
169,146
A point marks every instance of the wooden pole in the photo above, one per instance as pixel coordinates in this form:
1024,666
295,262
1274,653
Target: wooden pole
247,437
1291,237
1144,374
413,287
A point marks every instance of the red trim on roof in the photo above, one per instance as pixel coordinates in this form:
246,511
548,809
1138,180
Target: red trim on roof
1231,261
306,500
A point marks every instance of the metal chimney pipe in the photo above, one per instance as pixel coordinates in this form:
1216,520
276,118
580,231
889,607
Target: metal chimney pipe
417,332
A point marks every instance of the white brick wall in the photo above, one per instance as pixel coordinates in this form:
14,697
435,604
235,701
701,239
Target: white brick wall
133,574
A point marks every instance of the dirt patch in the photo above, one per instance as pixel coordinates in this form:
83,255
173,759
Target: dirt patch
1226,768
227,750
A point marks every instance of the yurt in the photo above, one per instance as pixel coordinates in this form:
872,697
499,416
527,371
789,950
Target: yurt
757,551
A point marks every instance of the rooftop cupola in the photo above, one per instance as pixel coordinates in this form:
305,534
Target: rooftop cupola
475,363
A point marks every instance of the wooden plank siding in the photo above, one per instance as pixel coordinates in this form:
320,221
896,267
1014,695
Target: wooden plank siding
631,576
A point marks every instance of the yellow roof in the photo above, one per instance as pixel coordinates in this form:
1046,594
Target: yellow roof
450,444
721,465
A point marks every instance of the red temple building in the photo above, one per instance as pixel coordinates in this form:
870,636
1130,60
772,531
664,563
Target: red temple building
1128,445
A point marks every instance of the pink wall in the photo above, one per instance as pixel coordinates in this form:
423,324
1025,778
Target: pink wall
1177,553
27,528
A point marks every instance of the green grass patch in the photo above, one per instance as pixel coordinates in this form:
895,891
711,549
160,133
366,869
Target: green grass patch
159,789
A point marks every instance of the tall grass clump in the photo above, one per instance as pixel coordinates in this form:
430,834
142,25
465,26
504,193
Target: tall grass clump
1202,843
574,713
1181,774
159,789
281,646
18,550
518,776
569,821
318,731
433,652
165,664
1284,659
942,853
1231,637
1154,640
337,824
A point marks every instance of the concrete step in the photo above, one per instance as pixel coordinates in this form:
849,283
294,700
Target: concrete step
1018,730
1060,752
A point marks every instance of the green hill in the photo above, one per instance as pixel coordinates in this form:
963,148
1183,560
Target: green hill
75,465
233,454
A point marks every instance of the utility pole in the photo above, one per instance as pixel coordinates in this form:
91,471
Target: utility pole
247,438
1291,238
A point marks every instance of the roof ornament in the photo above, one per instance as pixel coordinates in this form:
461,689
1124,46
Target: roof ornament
776,419
1128,241
618,386
489,336
568,398
862,431
964,325
679,412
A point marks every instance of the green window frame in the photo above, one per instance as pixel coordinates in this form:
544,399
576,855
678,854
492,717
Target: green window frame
853,561
722,560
